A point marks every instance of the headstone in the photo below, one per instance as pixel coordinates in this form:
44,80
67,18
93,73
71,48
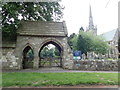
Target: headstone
92,55
88,55
100,56
83,56
106,55
112,56
95,56
103,56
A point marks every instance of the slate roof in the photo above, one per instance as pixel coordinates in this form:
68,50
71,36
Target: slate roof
109,35
41,28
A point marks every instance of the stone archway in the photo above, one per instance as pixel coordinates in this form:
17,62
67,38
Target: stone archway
38,34
51,61
28,56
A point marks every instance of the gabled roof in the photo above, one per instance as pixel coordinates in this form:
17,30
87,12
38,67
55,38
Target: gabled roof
42,28
109,35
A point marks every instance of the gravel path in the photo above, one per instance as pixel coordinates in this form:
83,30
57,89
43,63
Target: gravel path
77,86
56,69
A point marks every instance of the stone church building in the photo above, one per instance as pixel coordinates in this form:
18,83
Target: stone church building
112,39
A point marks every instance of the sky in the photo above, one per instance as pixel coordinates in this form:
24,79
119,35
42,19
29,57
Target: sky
76,14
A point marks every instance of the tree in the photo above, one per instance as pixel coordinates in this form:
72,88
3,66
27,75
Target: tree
44,51
49,51
82,42
56,52
70,40
99,45
81,29
14,12
85,42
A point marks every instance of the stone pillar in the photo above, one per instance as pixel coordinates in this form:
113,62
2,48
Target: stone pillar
36,62
67,57
36,59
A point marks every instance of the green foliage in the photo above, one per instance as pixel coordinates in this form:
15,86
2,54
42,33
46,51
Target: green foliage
11,12
70,41
83,42
57,79
56,52
99,45
30,54
48,51
81,29
87,42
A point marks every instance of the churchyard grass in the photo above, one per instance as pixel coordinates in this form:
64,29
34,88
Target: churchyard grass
58,79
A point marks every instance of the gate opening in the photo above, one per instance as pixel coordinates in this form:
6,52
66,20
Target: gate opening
28,57
50,55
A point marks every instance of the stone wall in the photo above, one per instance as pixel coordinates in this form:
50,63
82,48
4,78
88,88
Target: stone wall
96,65
8,59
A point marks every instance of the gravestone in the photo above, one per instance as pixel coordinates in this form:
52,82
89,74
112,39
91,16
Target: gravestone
83,56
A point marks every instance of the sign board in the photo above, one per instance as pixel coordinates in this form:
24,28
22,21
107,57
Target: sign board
77,55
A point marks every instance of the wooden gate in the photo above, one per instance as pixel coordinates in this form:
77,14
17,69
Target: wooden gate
27,63
51,62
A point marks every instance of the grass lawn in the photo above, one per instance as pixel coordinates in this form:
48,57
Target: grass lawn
58,79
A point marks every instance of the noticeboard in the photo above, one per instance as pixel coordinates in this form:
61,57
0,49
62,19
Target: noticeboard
77,53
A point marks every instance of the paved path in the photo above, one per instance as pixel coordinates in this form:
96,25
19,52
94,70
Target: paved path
76,86
56,69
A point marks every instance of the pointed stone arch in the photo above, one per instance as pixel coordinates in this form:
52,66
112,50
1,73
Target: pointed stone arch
27,44
27,56
53,41
58,45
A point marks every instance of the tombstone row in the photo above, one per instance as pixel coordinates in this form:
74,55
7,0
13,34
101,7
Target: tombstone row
93,56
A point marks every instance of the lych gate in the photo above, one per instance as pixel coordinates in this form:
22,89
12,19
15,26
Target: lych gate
51,61
33,36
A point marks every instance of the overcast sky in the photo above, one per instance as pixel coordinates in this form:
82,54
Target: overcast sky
76,14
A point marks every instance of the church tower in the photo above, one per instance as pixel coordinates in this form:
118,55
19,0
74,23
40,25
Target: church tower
91,27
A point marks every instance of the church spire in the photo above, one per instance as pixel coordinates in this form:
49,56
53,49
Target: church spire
91,26
90,11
